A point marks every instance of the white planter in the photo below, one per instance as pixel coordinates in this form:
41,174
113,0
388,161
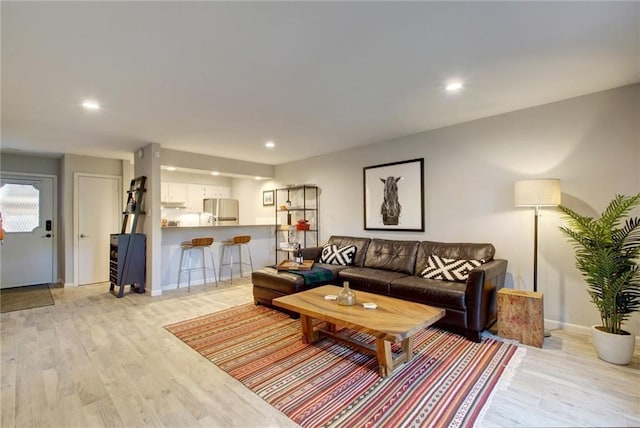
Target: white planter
613,348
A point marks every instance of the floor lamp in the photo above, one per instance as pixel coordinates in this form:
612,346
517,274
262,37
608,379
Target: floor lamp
543,192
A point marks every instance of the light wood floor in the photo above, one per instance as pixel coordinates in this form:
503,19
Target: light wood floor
93,360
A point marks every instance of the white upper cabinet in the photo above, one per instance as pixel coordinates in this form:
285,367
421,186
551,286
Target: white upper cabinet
211,191
195,195
197,192
173,192
191,195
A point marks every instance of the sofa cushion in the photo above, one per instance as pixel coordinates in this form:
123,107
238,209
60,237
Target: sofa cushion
396,256
367,279
458,251
335,270
334,255
448,269
360,243
432,292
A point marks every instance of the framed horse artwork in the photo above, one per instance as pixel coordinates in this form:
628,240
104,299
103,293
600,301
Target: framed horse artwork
394,196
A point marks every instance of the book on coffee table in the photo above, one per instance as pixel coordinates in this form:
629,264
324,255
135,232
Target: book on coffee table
293,265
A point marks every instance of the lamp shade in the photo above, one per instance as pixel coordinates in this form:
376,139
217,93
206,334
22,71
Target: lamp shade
539,192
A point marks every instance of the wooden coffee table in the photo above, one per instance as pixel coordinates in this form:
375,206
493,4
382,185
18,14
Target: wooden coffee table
394,320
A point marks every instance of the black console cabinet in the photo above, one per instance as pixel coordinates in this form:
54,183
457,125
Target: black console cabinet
127,262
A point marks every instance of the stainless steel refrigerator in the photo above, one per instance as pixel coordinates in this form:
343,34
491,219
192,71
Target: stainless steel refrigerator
223,211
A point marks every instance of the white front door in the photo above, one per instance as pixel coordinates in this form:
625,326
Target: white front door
27,252
99,213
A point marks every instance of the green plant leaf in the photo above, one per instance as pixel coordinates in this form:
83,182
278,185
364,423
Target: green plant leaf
607,249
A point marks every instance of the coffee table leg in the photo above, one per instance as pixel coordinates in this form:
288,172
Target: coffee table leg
407,348
309,335
385,357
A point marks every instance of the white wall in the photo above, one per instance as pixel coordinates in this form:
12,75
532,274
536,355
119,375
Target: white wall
592,143
189,177
249,194
147,164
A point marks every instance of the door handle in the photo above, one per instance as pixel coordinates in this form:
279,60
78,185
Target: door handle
48,235
82,235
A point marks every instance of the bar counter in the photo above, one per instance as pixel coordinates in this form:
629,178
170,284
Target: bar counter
262,249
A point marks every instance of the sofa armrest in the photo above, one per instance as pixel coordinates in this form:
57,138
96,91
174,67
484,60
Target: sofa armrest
311,253
482,286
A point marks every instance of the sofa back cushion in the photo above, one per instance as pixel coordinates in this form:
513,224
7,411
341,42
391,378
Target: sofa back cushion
455,250
397,256
360,243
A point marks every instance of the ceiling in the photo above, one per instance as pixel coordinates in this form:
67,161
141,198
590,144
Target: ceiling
222,78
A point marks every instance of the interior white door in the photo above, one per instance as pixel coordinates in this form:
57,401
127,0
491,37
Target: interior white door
27,252
99,215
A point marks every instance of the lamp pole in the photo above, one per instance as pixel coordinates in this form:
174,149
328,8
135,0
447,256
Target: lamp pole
535,248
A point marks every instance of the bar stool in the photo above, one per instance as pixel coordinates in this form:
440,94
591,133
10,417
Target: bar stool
238,242
189,247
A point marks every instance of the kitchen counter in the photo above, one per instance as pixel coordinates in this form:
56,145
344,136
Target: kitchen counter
262,247
209,226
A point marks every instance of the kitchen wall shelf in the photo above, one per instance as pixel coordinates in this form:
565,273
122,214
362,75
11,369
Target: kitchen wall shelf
295,204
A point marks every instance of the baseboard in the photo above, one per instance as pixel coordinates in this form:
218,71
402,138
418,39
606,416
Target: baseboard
69,285
574,328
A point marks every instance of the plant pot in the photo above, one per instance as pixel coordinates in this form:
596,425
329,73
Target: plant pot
613,348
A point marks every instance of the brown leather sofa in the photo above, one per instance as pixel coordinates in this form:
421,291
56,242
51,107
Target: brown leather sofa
393,268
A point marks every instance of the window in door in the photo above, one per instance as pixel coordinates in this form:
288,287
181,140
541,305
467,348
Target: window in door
20,207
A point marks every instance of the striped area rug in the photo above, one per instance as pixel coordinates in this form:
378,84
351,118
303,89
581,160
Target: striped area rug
327,384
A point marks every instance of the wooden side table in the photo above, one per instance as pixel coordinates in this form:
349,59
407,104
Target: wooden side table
521,316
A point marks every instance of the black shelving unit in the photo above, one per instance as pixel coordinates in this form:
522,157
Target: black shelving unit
294,204
127,255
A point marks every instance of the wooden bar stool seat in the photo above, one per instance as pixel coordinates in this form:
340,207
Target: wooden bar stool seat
240,242
197,244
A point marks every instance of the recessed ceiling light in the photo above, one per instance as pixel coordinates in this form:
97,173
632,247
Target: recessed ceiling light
215,173
257,178
90,105
170,168
454,86
270,144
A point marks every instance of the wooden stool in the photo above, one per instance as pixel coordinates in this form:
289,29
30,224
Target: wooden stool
238,242
521,316
188,247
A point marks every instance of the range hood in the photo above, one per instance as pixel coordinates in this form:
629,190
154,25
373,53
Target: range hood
177,205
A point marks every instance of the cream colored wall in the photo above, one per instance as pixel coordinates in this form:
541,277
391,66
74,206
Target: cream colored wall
188,177
249,194
591,143
14,162
213,163
147,163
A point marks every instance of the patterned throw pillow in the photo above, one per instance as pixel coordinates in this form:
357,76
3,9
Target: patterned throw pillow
449,269
342,256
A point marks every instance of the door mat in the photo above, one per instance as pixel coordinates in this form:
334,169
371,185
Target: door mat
27,297
448,383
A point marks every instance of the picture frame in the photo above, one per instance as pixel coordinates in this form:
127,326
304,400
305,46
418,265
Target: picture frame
268,198
394,196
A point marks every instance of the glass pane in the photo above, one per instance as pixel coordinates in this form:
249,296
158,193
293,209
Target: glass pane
20,207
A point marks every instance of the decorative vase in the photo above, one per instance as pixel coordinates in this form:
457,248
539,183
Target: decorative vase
613,348
346,297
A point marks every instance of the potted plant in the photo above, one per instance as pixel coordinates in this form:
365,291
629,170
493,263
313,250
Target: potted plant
607,254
